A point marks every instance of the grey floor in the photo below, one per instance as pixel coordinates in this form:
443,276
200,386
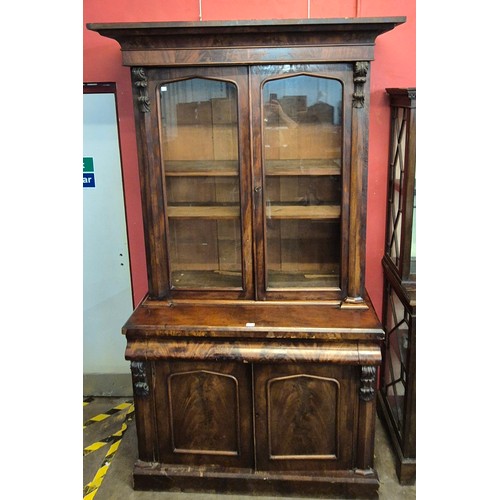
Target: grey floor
107,470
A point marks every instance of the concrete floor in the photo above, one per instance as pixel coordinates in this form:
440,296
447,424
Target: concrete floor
114,481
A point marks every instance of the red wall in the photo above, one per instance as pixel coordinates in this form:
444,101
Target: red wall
394,66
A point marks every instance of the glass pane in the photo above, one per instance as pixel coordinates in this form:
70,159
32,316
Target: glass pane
200,163
395,377
413,251
303,189
396,200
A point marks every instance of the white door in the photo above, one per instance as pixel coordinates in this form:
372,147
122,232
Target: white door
107,291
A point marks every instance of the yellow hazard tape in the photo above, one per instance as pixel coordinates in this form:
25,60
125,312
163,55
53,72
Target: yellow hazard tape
90,489
109,413
110,439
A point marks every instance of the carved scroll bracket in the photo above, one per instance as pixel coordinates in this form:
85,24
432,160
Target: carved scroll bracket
141,83
367,389
360,73
139,378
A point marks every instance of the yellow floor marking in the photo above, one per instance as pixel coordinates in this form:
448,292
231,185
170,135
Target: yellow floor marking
109,413
110,439
90,489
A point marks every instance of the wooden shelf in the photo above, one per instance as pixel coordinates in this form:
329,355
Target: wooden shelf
303,212
206,279
211,279
274,168
201,168
273,212
204,212
302,167
302,280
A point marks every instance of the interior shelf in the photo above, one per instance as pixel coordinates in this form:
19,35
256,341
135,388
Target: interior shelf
312,212
225,168
279,279
210,279
197,168
302,167
204,212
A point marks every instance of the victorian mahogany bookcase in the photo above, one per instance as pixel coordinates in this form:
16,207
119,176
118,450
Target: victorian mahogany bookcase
255,353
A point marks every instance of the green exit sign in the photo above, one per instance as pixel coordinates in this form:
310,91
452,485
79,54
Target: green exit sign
88,164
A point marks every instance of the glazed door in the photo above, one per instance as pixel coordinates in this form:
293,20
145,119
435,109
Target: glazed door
203,139
254,165
301,117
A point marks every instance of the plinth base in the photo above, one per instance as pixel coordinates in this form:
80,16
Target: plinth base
161,477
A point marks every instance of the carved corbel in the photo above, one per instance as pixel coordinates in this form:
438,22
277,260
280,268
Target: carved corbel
139,378
367,389
141,83
360,73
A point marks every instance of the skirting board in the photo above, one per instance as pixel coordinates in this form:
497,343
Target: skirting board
107,384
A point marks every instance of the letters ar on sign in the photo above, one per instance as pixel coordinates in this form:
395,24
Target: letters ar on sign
88,172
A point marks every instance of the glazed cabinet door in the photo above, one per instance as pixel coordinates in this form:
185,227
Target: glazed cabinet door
301,161
248,178
199,183
204,413
305,417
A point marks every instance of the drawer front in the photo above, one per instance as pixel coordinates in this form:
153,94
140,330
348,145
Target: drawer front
203,413
305,416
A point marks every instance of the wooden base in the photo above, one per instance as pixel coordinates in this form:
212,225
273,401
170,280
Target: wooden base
255,398
160,477
406,467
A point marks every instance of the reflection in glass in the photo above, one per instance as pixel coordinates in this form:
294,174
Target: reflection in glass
302,134
200,163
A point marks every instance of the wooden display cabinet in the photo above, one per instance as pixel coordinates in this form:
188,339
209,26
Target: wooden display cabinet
396,402
254,355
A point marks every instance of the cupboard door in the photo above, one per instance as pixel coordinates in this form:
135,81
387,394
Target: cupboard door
303,122
204,413
305,417
204,140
